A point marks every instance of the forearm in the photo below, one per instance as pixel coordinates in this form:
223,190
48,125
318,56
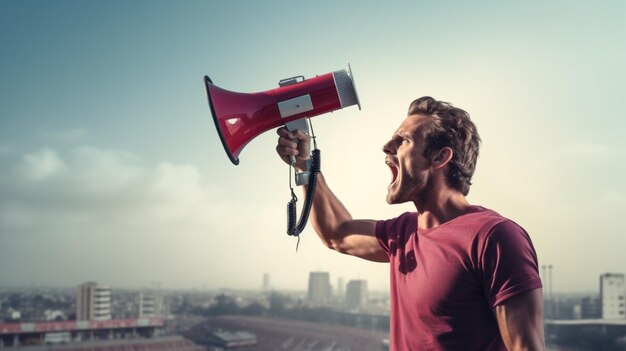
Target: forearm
328,215
330,219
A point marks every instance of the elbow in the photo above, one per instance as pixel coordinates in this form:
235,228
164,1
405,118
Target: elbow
337,245
334,245
334,237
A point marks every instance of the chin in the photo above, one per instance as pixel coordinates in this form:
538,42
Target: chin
393,199
390,198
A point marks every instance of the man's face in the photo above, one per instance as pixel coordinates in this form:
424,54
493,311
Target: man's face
405,157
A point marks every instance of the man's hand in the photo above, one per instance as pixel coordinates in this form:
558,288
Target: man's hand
296,144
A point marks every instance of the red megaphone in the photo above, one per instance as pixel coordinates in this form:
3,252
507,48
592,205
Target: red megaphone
240,117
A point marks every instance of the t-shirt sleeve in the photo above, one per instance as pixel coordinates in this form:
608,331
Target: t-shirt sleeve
387,230
391,233
383,228
508,263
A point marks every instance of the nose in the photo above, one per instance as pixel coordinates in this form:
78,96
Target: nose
389,147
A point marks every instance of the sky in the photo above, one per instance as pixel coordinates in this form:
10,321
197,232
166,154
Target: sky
111,169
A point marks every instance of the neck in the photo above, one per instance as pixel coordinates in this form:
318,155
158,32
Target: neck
440,206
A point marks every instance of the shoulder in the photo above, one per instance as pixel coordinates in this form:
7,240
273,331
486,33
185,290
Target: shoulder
491,225
492,231
400,223
395,227
499,236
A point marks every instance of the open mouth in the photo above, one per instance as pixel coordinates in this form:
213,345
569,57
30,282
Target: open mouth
394,172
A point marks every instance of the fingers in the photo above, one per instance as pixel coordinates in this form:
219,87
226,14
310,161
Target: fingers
297,136
293,144
283,132
287,145
300,135
286,151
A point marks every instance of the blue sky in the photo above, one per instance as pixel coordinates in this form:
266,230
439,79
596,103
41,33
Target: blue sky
111,169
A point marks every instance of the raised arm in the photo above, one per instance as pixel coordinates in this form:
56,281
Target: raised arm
329,217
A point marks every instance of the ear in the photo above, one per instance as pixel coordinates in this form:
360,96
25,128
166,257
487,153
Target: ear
441,157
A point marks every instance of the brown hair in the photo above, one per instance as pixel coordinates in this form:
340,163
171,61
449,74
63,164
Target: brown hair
450,127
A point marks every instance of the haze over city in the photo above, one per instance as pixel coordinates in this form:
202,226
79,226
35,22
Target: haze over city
111,169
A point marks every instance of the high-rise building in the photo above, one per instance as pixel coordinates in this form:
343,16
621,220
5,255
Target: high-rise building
612,295
93,302
319,287
356,293
266,282
150,304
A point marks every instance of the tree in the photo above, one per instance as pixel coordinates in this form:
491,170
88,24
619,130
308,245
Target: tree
254,309
277,304
224,305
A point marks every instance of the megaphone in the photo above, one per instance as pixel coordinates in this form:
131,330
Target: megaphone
240,117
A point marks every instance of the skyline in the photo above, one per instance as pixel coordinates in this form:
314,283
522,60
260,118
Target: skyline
111,169
334,281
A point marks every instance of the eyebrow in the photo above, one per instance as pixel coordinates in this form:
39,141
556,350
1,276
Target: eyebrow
401,134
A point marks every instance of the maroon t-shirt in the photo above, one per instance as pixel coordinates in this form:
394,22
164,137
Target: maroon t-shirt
446,280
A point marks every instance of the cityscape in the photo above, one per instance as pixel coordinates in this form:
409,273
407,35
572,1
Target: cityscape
125,226
324,316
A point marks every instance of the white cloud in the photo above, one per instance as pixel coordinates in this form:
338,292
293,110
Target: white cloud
98,214
102,185
110,216
40,165
105,171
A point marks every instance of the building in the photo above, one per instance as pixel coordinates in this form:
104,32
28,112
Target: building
54,315
150,304
319,287
590,308
356,293
612,296
93,302
38,333
231,340
586,334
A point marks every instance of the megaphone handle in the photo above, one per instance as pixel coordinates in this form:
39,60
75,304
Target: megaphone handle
298,124
293,126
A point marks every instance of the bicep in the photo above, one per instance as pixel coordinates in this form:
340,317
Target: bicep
520,320
359,239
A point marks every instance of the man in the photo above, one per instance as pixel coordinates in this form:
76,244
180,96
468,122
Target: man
462,276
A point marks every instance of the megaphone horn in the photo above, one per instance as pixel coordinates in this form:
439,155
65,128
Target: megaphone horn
240,117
